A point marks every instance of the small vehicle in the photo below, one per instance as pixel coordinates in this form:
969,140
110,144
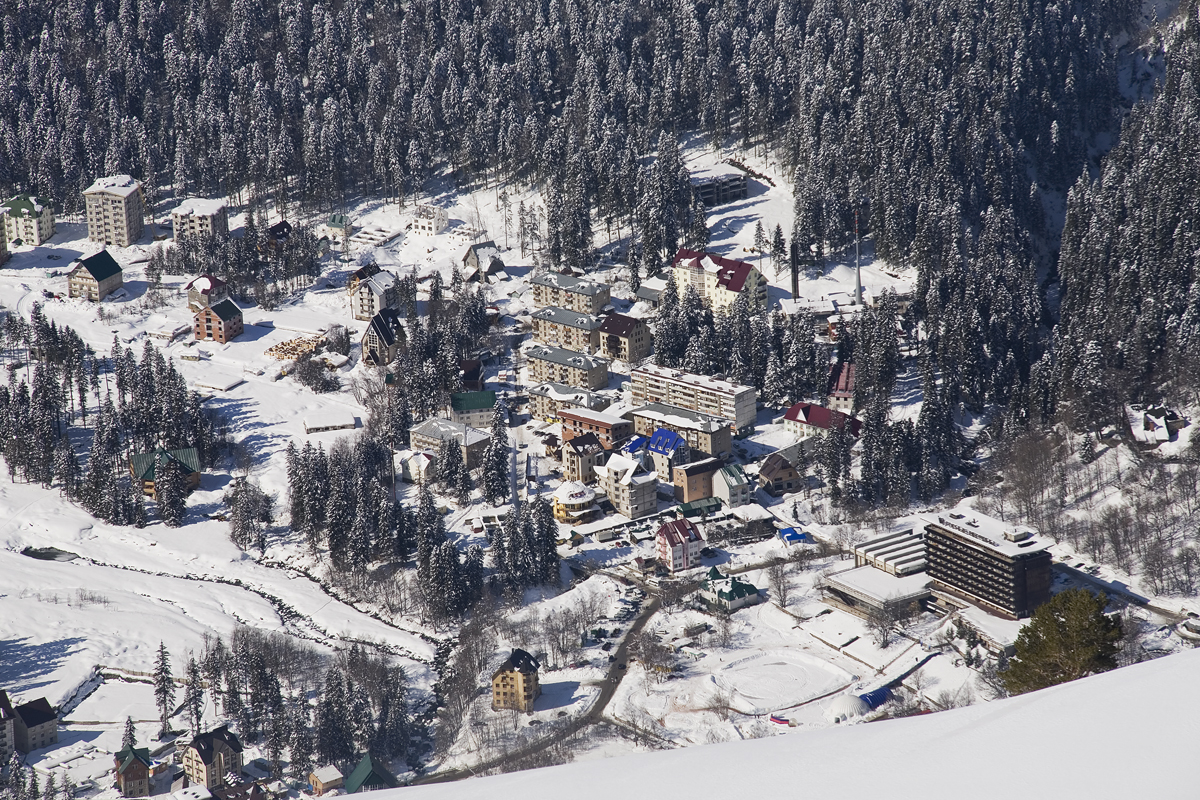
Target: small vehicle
620,666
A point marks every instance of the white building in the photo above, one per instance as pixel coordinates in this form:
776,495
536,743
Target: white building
654,384
199,217
631,489
116,208
28,219
719,280
732,486
429,220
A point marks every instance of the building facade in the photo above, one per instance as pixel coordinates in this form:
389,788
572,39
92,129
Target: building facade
667,450
731,486
382,338
131,771
699,393
562,327
987,562
580,456
806,419
677,545
728,592
515,684
719,280
473,408
841,388
116,210
429,220
625,338
142,467
209,757
28,218
710,436
196,218
95,277
221,323
547,400
574,503
554,364
8,728
566,291
778,476
429,434
607,428
205,291
631,489
375,294
695,481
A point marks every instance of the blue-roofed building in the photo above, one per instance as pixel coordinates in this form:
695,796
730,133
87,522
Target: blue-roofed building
638,449
791,536
668,449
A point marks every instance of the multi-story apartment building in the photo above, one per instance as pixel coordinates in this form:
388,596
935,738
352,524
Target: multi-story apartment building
719,280
211,756
706,435
375,294
694,481
567,291
555,364
222,322
987,562
382,338
580,456
807,419
429,434
678,544
197,217
654,384
631,489
8,728
608,428
116,210
28,218
473,408
841,388
731,486
95,277
625,338
515,683
562,327
3,244
429,220
547,400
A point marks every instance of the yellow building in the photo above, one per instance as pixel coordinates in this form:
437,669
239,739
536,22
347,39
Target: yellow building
515,684
574,502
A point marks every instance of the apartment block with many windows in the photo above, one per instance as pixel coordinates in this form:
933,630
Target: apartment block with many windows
700,393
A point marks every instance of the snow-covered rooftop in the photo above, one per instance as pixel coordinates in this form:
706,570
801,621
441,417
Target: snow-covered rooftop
122,185
879,585
199,207
988,532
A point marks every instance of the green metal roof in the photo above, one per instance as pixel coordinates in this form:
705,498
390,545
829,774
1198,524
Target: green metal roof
472,401
143,463
129,755
695,508
338,220
369,775
100,266
24,204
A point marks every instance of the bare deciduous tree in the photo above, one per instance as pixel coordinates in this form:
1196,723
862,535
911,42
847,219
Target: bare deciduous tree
778,583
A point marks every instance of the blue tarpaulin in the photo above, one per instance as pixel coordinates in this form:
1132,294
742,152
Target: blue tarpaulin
791,535
877,698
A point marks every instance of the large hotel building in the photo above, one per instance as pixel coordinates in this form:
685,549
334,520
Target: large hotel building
717,398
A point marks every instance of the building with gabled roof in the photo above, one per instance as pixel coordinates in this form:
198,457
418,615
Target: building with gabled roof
840,390
369,775
580,455
550,399
8,728
209,757
625,338
374,294
548,363
778,475
719,280
668,450
27,727
728,592
115,207
805,419
142,467
731,486
677,544
205,290
221,322
27,219
473,408
382,338
359,275
705,434
482,259
562,327
567,291
326,779
95,277
515,684
632,490
428,435
131,771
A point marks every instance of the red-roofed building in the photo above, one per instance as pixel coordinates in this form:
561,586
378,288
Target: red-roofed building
805,419
678,544
717,279
841,387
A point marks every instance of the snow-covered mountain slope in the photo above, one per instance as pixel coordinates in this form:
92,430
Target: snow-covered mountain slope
1127,733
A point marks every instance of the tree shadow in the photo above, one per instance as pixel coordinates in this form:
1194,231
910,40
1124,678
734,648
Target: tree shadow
23,663
556,695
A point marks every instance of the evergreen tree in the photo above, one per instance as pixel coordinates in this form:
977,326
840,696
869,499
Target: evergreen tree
170,491
129,738
497,484
194,697
164,689
1068,637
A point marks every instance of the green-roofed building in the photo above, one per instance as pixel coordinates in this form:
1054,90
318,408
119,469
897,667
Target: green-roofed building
143,465
368,775
728,591
131,771
339,225
28,219
95,277
473,408
700,508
